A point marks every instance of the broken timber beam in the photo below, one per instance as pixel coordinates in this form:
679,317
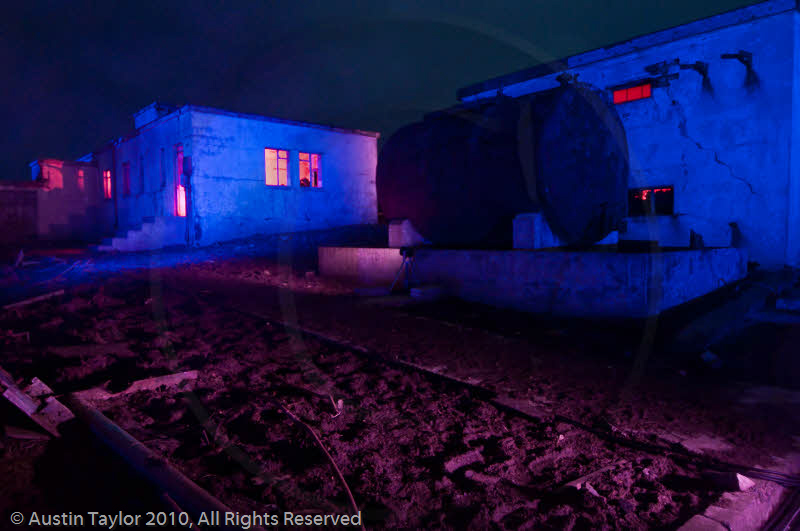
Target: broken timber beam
148,384
186,493
25,302
42,408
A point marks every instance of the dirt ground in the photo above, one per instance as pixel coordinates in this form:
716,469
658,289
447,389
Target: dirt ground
416,451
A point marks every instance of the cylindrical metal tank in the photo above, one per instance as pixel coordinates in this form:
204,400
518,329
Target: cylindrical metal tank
461,175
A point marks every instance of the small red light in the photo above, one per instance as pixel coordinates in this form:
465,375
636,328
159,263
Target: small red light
620,96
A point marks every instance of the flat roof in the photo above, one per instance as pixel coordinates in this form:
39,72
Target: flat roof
212,110
730,18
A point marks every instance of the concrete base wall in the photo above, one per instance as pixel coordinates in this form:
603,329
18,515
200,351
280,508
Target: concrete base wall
586,284
369,266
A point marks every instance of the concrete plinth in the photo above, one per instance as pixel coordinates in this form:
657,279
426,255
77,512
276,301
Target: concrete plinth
567,283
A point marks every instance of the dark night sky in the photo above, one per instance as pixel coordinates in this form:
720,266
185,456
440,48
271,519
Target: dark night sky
74,71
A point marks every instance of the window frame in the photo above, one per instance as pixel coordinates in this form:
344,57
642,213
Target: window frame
311,157
108,187
277,168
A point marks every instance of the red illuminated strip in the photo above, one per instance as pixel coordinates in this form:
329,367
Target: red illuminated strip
642,194
181,201
639,92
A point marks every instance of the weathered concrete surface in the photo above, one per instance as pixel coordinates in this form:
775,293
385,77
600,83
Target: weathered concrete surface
369,266
600,284
218,157
230,200
727,143
748,510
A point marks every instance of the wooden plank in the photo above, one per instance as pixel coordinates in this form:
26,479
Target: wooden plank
148,384
25,302
187,494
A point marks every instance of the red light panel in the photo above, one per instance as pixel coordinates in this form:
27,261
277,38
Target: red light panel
638,92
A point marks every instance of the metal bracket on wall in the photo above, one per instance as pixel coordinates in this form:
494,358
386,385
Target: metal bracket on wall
701,68
662,68
566,78
746,58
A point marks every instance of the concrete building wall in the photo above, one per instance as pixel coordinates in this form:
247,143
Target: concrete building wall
150,156
229,198
726,147
68,205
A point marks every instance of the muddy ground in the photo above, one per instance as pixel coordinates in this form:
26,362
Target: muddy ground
415,450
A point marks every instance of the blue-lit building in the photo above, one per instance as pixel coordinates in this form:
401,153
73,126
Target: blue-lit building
196,175
711,111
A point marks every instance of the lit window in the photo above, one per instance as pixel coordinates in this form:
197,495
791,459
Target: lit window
638,92
309,170
276,167
651,201
126,179
107,184
180,201
81,181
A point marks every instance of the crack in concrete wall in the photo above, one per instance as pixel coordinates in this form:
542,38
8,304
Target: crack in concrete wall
685,133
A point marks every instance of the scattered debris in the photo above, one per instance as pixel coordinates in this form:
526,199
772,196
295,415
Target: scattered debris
47,413
481,478
149,384
460,461
330,459
579,482
186,493
590,489
337,405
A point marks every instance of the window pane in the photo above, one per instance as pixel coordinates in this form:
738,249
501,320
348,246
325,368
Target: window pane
303,156
107,184
271,166
180,199
305,173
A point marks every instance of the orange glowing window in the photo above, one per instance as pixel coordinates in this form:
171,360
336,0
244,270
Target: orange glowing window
107,184
639,92
276,167
309,170
180,201
81,181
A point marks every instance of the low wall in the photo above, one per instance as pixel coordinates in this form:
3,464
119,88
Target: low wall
369,266
588,284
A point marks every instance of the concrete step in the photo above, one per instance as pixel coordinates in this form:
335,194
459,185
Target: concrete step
153,233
